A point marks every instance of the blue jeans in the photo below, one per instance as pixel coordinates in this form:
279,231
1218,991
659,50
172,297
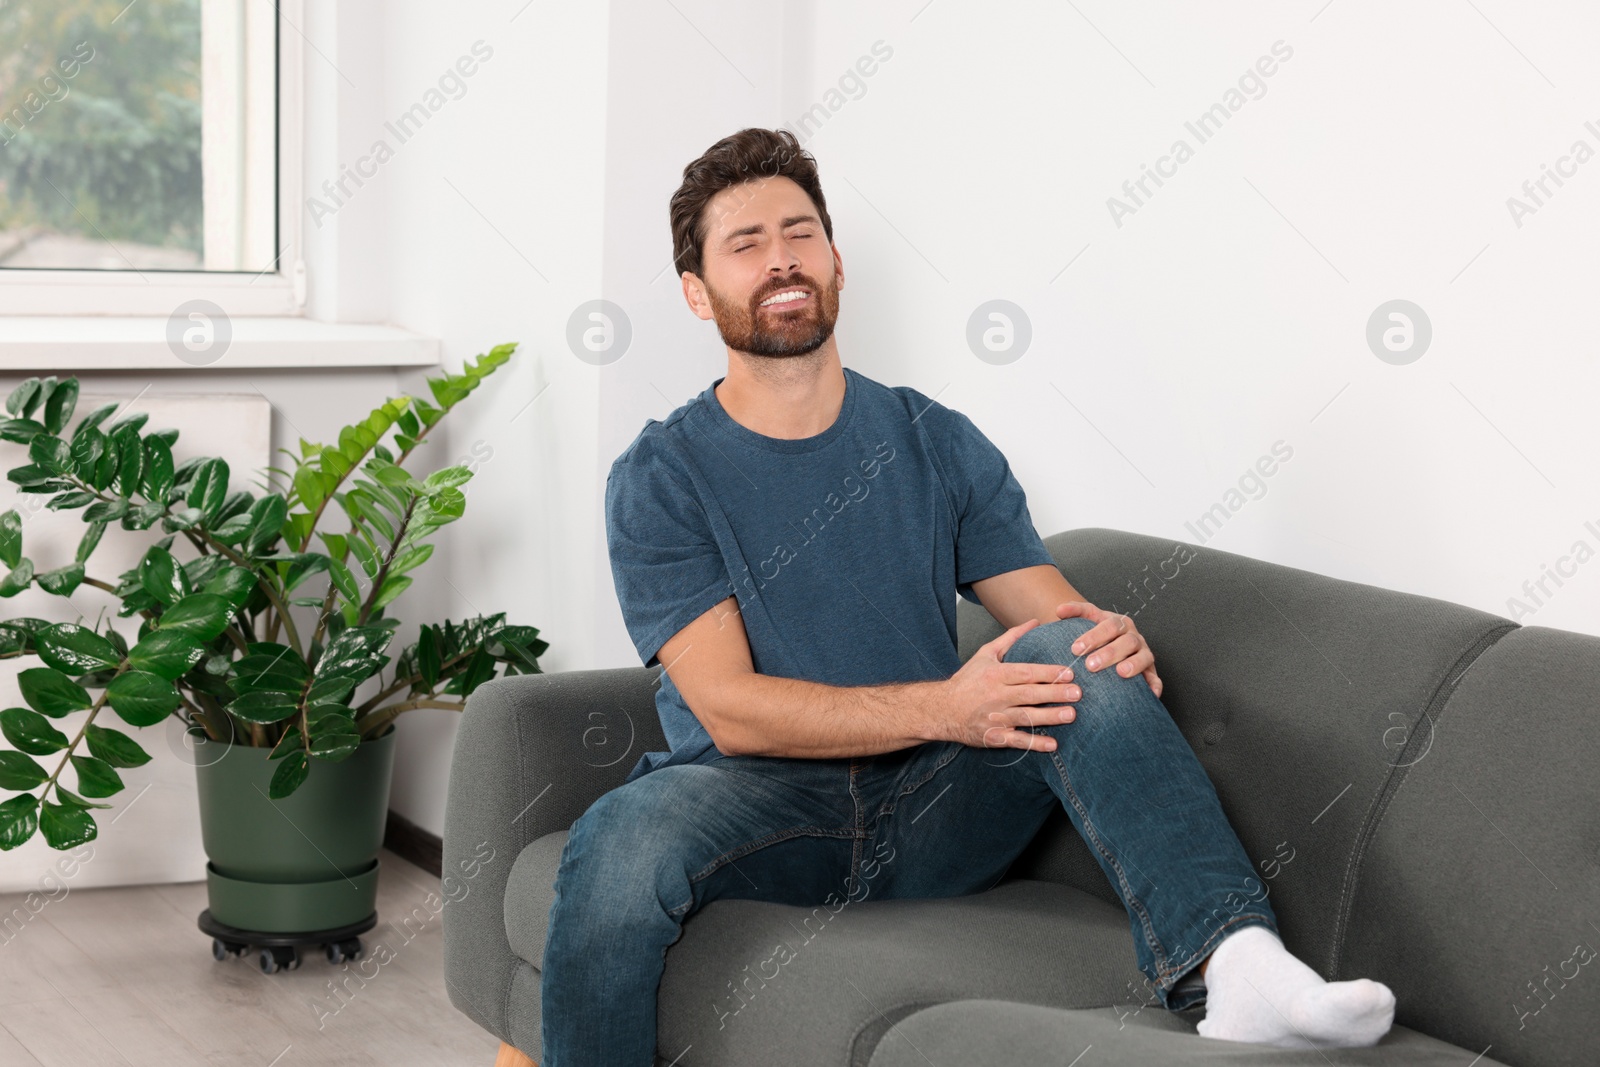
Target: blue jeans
940,819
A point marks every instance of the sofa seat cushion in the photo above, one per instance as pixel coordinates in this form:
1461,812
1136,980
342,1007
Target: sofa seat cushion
750,981
993,1033
783,986
530,890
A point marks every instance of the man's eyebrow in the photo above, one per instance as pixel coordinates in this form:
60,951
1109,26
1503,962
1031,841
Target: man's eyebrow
792,220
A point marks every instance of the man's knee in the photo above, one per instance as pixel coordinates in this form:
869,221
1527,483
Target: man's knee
1052,643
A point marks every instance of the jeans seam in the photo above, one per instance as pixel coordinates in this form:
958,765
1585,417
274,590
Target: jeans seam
1134,904
752,846
1168,976
893,802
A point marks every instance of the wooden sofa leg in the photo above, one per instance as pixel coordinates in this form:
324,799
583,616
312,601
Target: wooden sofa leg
510,1057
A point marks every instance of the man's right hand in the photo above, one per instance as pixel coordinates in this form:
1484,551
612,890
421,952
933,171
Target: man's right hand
988,701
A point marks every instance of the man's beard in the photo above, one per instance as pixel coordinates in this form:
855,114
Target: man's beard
758,331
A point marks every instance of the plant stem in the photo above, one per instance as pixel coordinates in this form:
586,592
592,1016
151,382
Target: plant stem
383,570
406,683
371,724
82,730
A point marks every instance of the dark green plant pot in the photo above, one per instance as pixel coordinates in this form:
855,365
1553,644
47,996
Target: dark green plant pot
304,863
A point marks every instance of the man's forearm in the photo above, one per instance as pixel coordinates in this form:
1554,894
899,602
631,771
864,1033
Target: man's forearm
762,715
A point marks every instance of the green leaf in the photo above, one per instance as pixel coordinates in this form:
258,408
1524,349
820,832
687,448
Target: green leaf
22,400
58,409
141,698
308,484
304,566
368,510
233,584
75,649
364,554
32,474
52,693
130,459
91,538
238,503
51,453
280,671
428,656
157,469
128,423
96,777
22,431
201,615
21,635
72,800
446,478
19,578
334,745
411,558
106,510
88,448
64,827
393,586
210,487
167,654
95,418
267,516
181,519
265,705
19,819
161,576
75,498
10,538
19,771
289,776
116,747
397,477
448,504
344,581
61,581
30,732
200,569
335,462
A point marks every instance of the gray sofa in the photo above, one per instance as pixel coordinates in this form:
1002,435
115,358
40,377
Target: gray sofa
1416,779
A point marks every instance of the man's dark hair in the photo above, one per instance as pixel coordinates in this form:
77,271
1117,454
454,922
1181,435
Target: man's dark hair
750,154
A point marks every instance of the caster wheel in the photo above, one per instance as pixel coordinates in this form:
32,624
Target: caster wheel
274,960
340,951
219,951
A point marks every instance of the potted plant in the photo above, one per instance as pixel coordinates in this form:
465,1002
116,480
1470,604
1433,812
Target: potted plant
256,628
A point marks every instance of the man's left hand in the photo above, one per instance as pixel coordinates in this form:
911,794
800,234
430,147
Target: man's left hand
1114,639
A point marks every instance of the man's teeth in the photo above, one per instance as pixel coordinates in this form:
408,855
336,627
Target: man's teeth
784,297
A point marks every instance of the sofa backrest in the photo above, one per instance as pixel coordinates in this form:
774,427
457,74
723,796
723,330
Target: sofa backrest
1305,698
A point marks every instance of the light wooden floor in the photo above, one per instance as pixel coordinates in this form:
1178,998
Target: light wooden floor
124,977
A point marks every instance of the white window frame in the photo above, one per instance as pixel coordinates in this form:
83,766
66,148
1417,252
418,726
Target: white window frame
280,290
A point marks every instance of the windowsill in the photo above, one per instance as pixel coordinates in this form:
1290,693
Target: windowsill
50,342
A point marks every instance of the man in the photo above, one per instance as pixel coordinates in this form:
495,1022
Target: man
789,545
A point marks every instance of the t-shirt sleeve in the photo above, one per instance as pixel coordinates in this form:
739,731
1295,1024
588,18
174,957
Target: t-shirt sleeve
665,563
994,532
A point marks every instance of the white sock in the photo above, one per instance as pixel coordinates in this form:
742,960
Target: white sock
1257,991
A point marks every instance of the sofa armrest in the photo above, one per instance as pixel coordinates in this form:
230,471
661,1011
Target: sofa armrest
532,752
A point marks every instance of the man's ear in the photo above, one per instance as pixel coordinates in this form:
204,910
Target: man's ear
694,294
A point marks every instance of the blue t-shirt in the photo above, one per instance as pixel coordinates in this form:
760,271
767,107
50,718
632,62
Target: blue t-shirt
844,550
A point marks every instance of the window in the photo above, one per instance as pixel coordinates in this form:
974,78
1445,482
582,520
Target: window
148,155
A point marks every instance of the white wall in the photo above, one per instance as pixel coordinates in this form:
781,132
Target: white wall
1226,314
